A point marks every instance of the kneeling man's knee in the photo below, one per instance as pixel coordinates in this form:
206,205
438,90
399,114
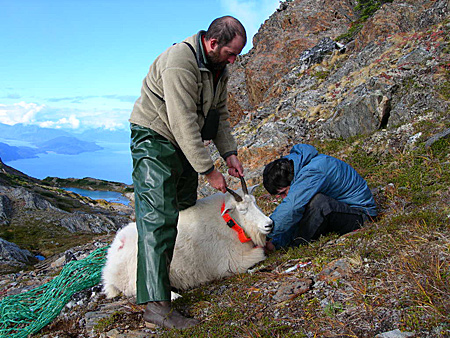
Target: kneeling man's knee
318,201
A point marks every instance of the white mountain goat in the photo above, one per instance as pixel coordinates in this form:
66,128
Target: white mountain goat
206,248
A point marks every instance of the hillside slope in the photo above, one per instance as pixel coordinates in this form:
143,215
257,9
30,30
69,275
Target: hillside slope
370,85
39,218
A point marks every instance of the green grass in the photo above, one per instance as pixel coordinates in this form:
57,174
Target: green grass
46,240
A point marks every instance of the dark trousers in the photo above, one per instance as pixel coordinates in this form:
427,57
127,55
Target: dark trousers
324,215
164,183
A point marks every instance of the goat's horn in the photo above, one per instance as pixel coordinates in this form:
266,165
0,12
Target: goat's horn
244,185
235,195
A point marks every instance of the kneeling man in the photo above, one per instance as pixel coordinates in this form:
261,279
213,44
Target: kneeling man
321,194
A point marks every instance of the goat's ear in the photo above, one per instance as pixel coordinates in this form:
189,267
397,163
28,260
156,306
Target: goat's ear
230,203
250,190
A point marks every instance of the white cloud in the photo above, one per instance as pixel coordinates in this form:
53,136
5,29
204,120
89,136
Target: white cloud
21,112
84,119
108,124
63,117
110,119
252,13
47,124
72,123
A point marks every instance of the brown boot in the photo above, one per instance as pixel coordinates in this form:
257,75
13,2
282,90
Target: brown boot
161,314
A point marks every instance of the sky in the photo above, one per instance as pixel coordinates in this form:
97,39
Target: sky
79,64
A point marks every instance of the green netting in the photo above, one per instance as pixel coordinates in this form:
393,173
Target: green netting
28,312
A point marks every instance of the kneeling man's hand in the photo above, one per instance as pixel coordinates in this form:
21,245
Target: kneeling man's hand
269,248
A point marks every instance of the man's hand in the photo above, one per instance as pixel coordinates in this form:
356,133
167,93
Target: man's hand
269,248
234,166
217,181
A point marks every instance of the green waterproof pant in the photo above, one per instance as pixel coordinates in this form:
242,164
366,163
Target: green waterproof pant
164,183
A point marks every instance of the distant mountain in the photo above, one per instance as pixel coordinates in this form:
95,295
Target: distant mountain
11,153
54,140
35,134
68,145
30,133
102,135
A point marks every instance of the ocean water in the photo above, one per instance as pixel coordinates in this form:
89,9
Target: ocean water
110,196
112,163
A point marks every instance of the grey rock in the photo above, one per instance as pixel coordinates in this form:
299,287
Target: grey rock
418,55
395,334
335,270
437,13
293,288
437,137
5,210
97,224
92,318
317,53
30,200
408,105
359,115
12,255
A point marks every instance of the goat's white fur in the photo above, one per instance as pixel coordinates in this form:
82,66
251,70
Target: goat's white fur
206,249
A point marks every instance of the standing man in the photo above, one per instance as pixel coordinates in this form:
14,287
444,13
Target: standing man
321,194
182,104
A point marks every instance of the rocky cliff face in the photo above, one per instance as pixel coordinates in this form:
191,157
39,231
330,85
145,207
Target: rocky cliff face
297,84
300,25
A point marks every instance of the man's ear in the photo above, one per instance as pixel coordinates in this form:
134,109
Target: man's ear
213,43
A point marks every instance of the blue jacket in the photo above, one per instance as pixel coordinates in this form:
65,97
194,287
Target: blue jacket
317,173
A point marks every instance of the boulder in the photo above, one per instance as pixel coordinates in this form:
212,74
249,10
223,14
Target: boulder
6,210
13,256
30,200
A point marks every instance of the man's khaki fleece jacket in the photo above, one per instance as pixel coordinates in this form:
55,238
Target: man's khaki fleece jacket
170,95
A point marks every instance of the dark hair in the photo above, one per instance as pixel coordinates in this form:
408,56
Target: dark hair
277,175
224,29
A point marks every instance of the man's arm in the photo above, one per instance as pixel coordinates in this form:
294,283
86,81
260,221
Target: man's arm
290,211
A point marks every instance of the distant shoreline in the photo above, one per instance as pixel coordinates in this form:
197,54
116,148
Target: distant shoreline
112,163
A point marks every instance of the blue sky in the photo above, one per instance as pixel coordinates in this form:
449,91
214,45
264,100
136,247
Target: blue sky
79,64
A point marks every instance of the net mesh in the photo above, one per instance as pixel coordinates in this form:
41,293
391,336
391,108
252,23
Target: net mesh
28,312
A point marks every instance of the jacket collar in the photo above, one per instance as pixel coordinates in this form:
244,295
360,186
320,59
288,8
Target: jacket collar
202,61
201,58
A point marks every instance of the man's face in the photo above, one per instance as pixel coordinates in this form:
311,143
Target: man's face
283,192
219,57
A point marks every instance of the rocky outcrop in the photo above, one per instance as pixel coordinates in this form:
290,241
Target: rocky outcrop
401,17
5,209
295,27
387,79
25,199
13,256
364,88
84,222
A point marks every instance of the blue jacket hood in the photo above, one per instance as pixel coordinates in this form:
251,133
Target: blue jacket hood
301,155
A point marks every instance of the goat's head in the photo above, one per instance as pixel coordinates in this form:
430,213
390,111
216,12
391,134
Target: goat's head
248,215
